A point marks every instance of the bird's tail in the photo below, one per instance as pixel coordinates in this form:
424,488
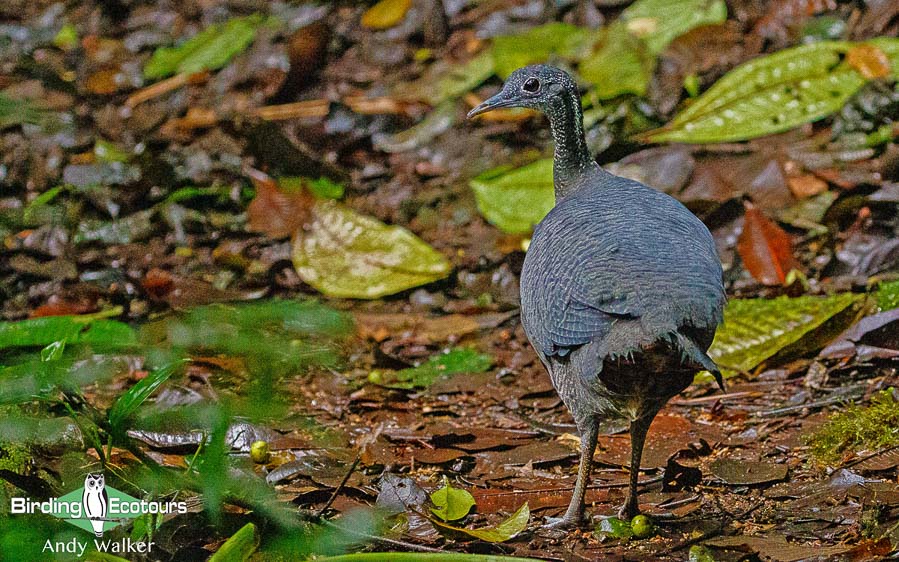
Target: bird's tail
693,352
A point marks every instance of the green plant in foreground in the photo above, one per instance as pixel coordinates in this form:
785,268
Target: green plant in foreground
858,427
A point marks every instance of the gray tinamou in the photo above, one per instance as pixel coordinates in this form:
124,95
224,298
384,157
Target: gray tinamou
621,289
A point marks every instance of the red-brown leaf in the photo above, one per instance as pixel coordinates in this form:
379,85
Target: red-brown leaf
764,247
274,212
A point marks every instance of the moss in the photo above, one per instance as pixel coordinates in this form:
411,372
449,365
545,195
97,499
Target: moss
858,427
14,457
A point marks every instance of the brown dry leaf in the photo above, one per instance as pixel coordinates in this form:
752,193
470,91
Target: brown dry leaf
776,547
103,82
386,13
869,61
274,212
737,472
185,292
764,247
806,185
422,329
493,500
668,434
784,15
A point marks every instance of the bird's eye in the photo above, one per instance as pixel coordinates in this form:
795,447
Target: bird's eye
531,85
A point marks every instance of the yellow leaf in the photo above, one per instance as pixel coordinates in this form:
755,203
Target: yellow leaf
869,61
386,13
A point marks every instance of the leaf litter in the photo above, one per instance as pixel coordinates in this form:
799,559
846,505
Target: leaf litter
223,146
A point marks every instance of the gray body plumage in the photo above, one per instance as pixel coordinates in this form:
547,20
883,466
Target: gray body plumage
618,267
621,289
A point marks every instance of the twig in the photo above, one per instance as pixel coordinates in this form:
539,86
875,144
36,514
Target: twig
714,397
340,486
296,110
164,87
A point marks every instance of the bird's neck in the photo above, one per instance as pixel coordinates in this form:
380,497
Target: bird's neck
572,159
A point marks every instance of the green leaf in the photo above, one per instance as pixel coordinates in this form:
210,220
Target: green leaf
210,49
437,121
620,63
887,296
755,330
32,211
19,112
443,81
107,152
699,553
128,403
53,351
452,363
516,523
136,226
84,329
322,187
658,22
613,527
239,547
770,94
344,254
514,200
451,503
537,45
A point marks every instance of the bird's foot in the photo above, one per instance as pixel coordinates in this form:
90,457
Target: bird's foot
567,521
629,510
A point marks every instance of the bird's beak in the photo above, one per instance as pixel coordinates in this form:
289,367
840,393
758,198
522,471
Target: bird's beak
496,102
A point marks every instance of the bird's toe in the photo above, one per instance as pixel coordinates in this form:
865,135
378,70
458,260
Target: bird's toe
629,511
564,523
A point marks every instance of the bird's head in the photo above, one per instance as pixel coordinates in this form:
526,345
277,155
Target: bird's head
537,86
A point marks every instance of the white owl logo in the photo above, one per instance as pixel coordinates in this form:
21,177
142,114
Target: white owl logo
95,501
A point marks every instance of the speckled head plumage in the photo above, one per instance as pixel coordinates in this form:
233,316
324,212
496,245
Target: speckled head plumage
553,92
537,86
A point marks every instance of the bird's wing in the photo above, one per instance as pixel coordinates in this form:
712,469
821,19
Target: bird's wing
618,281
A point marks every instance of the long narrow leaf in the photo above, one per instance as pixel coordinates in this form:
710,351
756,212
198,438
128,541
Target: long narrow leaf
129,402
85,329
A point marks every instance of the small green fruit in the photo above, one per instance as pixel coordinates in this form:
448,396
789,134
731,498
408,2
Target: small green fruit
259,452
642,527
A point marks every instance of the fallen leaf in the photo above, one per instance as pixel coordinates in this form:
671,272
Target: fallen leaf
770,94
446,80
516,523
757,330
658,22
613,527
184,292
451,503
620,63
806,185
425,329
210,49
456,361
743,473
344,254
514,200
385,14
777,548
764,247
537,45
275,212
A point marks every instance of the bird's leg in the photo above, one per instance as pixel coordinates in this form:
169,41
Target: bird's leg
574,515
639,427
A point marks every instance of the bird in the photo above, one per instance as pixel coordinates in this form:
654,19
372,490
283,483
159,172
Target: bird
621,287
95,501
